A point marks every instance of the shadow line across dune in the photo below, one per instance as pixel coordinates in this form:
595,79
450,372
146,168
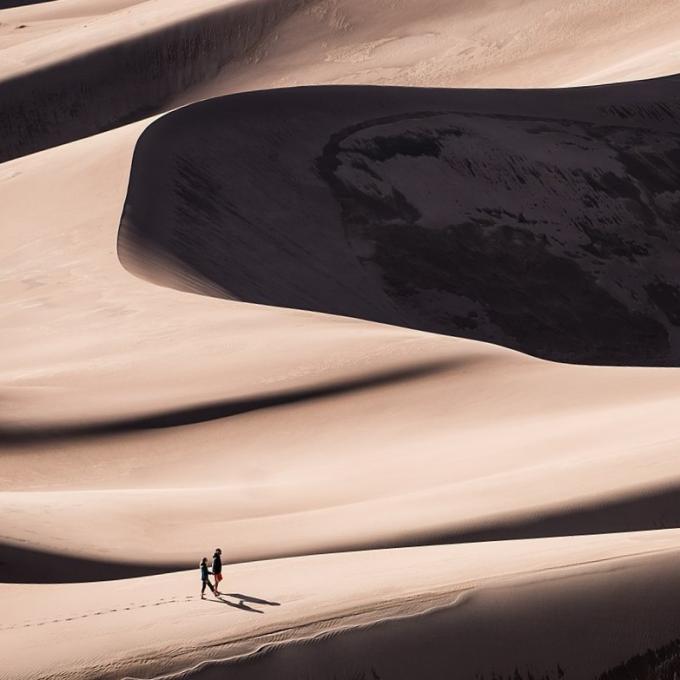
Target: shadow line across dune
121,80
27,435
19,564
658,509
8,4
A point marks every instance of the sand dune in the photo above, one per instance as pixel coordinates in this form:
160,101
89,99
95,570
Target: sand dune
583,603
543,221
127,64
508,452
462,43
142,424
131,59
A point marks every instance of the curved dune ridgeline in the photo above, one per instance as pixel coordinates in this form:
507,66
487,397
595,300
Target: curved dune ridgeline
397,492
541,220
133,70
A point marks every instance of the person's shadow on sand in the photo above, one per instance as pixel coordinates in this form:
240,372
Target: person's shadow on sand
251,599
242,599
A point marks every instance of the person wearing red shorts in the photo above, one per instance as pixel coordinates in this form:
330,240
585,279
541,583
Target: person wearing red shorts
217,569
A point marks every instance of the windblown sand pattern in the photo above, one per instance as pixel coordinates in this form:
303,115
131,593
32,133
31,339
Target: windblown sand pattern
381,297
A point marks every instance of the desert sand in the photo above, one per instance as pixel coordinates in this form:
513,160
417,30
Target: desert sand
201,346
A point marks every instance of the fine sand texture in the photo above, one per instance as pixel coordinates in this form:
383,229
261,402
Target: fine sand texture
443,611
72,68
407,354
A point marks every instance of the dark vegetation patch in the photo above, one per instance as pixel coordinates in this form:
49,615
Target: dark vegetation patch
651,112
659,664
382,148
508,262
526,675
666,296
605,243
546,303
387,208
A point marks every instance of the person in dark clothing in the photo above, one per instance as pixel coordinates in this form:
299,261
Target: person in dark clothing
205,578
217,569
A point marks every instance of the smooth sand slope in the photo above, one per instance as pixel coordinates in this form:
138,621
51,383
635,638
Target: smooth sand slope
82,78
464,43
142,425
436,612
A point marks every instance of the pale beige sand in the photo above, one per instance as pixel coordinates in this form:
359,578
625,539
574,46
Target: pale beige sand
497,435
464,43
424,438
27,21
586,603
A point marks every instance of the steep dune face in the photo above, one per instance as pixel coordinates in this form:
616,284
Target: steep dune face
130,59
544,221
127,65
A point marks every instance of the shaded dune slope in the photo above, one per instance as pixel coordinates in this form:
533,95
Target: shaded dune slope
9,4
19,564
541,220
35,434
637,511
121,79
131,58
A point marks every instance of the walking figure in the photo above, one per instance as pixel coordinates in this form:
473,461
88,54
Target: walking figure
205,578
217,569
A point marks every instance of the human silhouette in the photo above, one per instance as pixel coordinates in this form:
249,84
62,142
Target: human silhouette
217,569
205,578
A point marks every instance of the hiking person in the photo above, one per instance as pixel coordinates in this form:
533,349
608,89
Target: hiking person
217,569
205,578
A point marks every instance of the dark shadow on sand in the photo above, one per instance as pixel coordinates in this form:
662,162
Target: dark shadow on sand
659,509
251,599
26,565
8,4
240,605
648,511
27,435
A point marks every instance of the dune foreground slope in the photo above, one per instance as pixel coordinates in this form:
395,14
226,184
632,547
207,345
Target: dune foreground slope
446,611
407,354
